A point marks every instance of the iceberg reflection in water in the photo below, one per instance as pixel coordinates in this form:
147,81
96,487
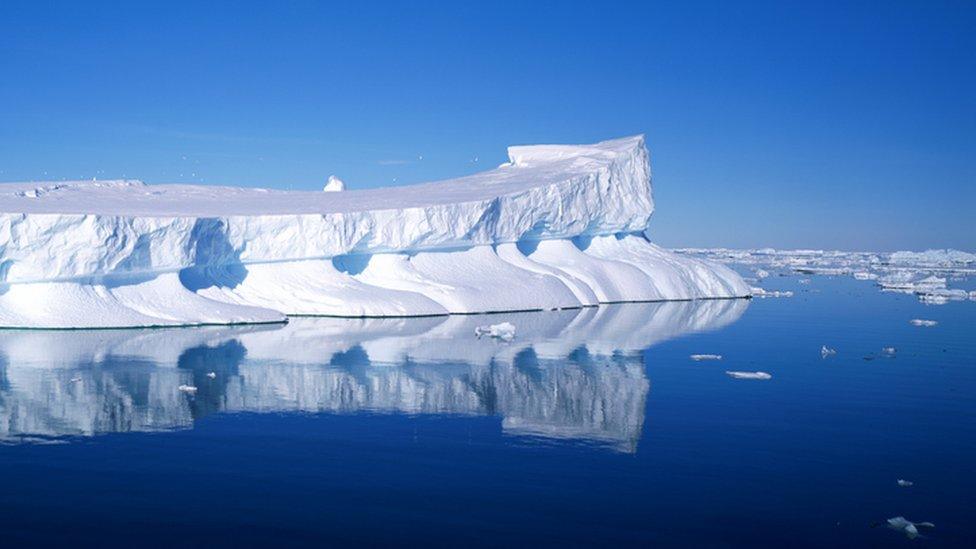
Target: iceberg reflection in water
576,374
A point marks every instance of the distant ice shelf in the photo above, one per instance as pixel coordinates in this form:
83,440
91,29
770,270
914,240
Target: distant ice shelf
922,274
558,226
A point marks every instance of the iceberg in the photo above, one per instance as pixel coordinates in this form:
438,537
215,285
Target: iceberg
555,227
749,375
909,528
699,358
923,322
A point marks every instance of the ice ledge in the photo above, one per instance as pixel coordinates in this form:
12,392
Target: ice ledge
89,228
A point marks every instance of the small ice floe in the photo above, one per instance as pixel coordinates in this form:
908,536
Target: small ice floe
749,375
972,295
504,331
75,380
334,185
922,322
941,296
706,357
905,483
804,281
761,273
187,389
826,351
864,275
212,375
905,282
888,351
909,528
759,292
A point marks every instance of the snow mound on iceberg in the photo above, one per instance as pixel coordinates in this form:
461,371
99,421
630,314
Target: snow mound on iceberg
557,227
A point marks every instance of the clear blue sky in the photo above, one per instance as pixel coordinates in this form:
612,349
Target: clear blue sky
848,125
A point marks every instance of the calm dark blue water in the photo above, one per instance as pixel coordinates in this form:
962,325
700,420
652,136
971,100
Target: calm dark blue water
592,427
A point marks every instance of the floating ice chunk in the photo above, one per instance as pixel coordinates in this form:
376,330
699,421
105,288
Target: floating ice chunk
706,357
888,351
972,295
749,375
804,281
504,331
761,273
904,281
931,282
212,375
334,185
826,351
941,296
187,389
759,292
76,380
864,275
923,322
905,483
901,524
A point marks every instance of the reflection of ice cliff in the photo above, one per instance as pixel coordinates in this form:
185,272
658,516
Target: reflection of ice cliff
575,374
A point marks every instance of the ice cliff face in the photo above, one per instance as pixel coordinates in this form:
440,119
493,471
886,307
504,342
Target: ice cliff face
556,227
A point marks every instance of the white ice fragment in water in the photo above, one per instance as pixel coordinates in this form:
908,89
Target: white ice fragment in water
889,351
212,375
826,351
749,375
504,331
905,282
76,380
864,275
706,357
901,524
905,483
762,273
923,322
759,292
804,281
187,389
334,185
941,296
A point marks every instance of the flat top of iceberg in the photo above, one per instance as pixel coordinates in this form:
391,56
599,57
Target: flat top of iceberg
528,167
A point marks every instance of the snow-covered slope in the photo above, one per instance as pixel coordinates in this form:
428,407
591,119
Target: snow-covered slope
558,226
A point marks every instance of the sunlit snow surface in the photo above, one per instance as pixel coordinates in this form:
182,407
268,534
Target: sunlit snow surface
556,227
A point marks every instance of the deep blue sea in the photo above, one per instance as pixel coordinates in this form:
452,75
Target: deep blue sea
591,427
